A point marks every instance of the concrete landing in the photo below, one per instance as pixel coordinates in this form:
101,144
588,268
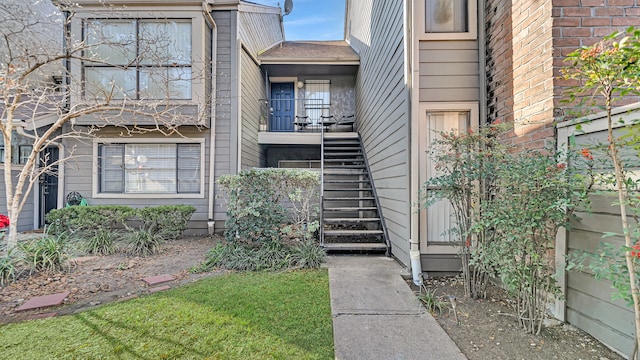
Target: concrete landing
377,316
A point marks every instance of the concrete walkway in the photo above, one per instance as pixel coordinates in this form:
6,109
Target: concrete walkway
377,316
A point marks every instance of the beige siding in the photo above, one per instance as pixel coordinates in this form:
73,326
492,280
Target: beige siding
79,176
252,89
382,110
589,304
448,71
259,31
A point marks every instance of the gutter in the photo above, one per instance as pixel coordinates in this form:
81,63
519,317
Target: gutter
211,224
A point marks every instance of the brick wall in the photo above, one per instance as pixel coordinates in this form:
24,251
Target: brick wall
579,23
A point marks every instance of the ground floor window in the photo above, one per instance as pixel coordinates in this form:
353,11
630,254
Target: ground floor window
149,168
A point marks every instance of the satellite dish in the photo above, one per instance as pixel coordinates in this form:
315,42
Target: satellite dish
288,6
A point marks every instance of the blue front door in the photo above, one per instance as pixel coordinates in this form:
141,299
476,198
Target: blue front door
282,103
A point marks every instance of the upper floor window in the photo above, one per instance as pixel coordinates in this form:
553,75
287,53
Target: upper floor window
447,19
446,16
138,59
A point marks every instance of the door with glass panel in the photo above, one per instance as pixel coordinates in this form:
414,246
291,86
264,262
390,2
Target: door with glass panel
437,220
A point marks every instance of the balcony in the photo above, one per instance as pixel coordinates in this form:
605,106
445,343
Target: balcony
300,121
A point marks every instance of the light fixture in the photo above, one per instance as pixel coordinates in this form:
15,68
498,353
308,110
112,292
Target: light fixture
300,84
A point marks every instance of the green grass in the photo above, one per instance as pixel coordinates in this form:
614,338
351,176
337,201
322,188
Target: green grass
234,316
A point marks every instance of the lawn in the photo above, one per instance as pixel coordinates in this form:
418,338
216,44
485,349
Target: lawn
235,316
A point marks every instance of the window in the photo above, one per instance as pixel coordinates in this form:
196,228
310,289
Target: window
446,19
138,59
443,16
149,168
317,97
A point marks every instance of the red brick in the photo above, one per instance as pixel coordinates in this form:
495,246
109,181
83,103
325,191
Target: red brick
576,32
576,11
566,42
152,280
634,11
608,11
566,22
560,3
625,21
601,32
602,21
592,2
622,2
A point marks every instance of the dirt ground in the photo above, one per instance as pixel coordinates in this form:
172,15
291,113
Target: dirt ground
104,279
488,330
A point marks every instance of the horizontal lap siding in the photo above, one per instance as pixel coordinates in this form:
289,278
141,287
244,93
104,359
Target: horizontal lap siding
252,89
589,303
449,71
79,176
25,220
222,98
382,110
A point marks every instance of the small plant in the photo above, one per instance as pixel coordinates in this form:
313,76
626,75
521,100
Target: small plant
47,253
307,255
7,269
432,302
102,243
168,221
142,243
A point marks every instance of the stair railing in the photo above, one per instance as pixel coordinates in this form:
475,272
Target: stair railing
376,199
322,185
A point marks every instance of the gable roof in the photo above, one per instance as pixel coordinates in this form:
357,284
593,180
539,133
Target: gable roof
310,52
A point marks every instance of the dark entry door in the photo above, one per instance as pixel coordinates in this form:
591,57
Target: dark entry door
282,103
48,183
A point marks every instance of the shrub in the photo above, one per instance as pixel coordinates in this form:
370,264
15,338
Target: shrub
101,243
168,221
47,253
307,255
84,221
142,243
7,269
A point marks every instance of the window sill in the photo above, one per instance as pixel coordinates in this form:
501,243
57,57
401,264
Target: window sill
147,196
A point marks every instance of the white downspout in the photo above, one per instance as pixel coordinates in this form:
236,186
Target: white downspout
211,224
414,240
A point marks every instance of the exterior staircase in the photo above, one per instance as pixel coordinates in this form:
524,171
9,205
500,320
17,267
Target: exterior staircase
350,214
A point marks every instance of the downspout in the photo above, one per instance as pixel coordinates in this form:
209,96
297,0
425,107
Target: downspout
414,240
482,59
211,224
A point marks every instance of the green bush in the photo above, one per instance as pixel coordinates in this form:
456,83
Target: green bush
8,265
101,243
307,255
84,221
47,253
142,243
168,221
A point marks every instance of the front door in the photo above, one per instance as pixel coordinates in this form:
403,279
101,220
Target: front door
282,105
48,183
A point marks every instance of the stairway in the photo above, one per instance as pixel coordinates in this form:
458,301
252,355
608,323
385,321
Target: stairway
351,220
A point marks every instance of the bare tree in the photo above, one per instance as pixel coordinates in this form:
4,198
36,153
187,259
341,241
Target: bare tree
40,60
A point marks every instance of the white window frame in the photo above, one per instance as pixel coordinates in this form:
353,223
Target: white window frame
140,68
423,153
95,188
420,24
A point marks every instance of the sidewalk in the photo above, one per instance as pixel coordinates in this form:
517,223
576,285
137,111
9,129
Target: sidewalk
377,316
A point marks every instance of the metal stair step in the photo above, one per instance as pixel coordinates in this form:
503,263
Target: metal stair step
344,160
354,246
342,154
343,171
345,209
341,148
349,220
344,181
352,232
349,189
350,198
344,167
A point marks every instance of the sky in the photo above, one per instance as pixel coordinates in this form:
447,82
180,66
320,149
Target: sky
312,19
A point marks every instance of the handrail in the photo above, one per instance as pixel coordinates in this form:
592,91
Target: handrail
375,195
322,186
